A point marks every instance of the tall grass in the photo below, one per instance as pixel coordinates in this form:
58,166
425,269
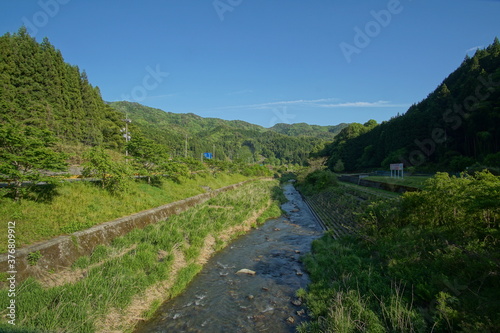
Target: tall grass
427,261
112,281
78,206
412,181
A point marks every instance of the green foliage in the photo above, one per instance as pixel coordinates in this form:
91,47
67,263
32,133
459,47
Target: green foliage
24,152
81,205
437,249
303,129
33,258
339,166
255,171
317,181
40,90
113,176
114,276
455,126
232,140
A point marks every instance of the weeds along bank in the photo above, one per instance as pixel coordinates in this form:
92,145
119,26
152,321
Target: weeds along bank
427,261
119,284
71,207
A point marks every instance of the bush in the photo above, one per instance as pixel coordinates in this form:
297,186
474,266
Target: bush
318,181
113,176
439,251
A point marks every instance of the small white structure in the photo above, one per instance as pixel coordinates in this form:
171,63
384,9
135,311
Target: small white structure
397,170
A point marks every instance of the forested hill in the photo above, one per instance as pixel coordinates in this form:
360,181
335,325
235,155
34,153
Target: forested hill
236,140
38,89
457,126
323,132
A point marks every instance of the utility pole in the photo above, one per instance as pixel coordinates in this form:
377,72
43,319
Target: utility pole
213,153
126,133
186,148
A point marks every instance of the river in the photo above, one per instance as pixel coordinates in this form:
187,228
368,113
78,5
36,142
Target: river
221,300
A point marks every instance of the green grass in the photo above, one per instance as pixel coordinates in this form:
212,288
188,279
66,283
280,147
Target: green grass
412,181
368,193
78,206
426,261
112,281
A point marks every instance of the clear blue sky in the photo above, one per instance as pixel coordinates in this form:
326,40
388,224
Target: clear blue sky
321,62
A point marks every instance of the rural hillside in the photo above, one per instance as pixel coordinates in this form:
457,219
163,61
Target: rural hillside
41,90
457,126
234,140
109,210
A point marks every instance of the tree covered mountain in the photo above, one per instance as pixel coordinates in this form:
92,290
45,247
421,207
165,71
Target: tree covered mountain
39,89
234,140
455,127
303,129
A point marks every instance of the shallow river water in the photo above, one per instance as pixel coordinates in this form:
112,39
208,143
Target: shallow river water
220,300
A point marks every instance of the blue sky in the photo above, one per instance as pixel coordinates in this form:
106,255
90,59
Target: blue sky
322,62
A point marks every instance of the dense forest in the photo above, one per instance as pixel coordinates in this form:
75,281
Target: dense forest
457,126
40,90
228,140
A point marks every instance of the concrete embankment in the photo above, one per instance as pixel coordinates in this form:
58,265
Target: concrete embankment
379,185
60,252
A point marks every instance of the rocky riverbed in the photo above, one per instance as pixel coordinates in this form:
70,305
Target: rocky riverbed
249,286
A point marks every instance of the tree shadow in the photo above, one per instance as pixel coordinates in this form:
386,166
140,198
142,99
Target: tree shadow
44,193
155,181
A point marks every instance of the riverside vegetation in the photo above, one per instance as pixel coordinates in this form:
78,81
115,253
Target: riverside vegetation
106,290
424,261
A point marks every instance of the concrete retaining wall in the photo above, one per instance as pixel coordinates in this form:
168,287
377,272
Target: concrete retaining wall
59,253
382,186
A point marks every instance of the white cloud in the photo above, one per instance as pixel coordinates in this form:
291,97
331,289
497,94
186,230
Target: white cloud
473,49
315,103
272,105
378,104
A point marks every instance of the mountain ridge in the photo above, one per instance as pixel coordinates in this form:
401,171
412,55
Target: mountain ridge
457,126
231,137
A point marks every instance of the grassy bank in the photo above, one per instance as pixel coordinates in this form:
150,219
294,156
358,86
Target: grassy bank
81,205
427,261
107,290
412,181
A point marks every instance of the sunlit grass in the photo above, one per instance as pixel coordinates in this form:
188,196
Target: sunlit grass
112,281
412,181
78,206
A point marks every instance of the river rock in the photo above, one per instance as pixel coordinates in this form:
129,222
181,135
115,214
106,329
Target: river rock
291,320
246,271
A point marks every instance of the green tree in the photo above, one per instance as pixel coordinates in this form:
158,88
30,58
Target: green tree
174,170
26,151
114,176
149,157
339,166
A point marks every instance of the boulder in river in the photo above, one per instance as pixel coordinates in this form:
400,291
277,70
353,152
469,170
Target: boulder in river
246,271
